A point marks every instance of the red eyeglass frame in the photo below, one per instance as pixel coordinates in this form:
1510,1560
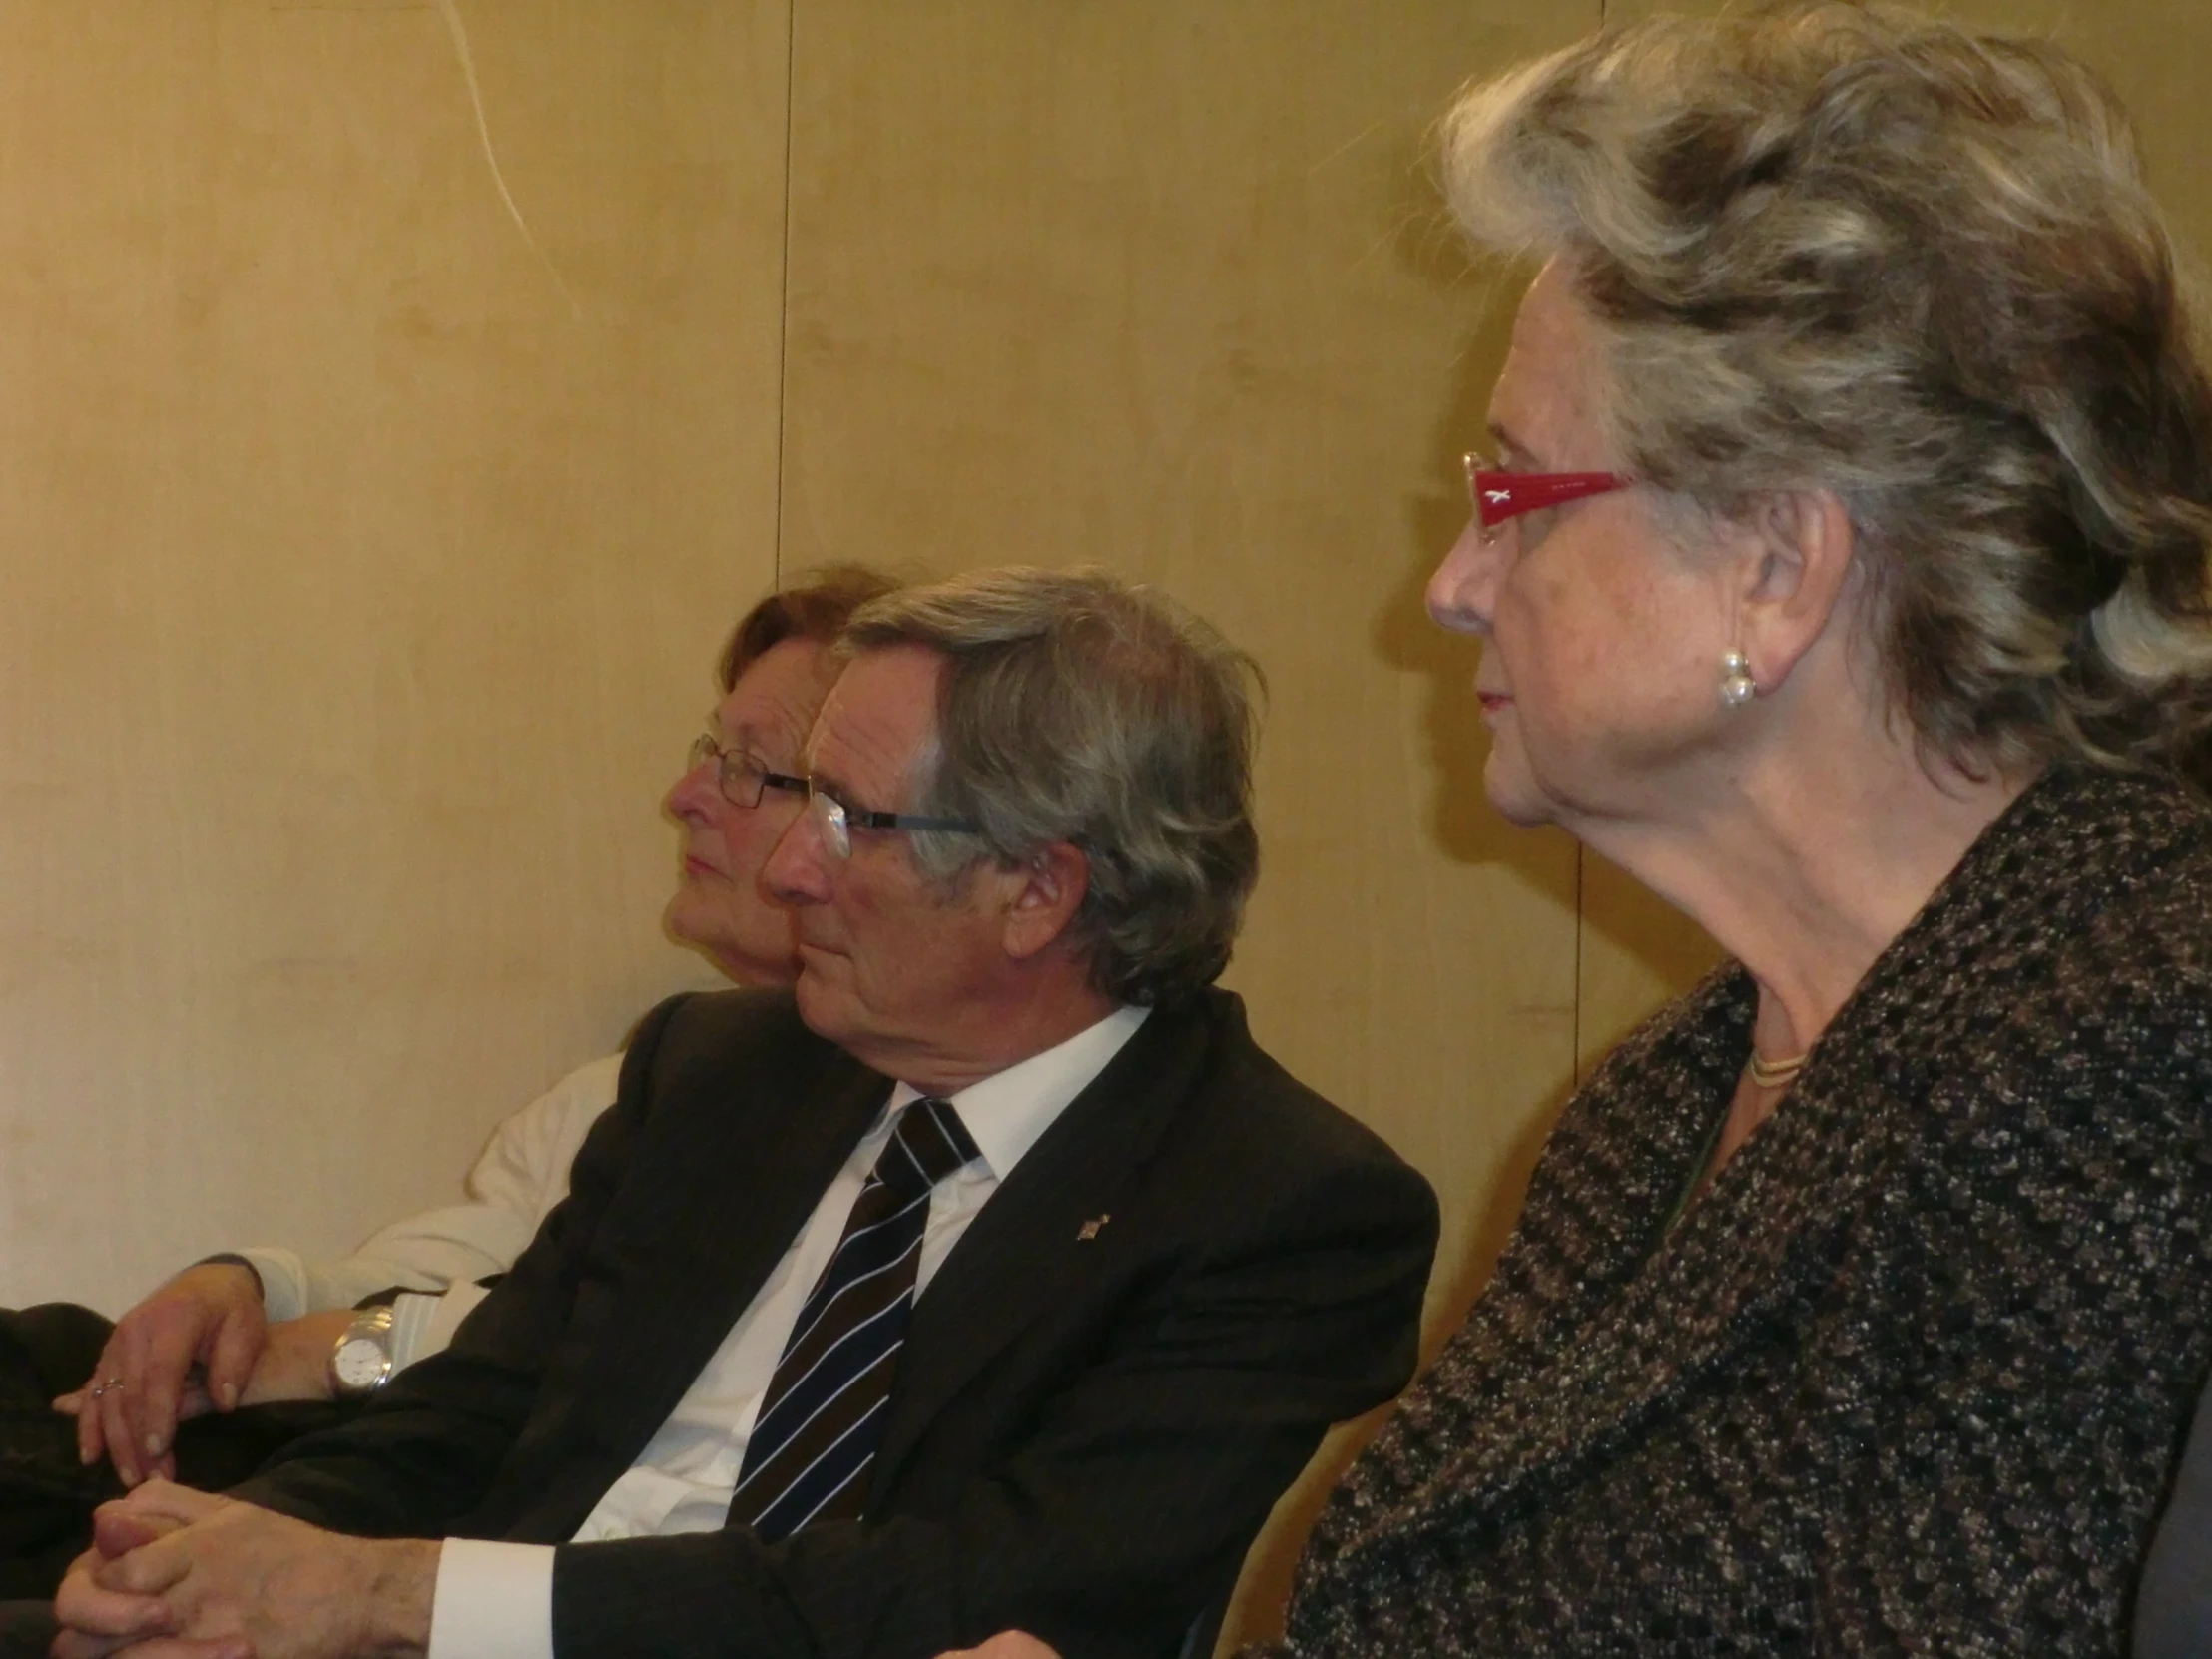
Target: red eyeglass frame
1498,496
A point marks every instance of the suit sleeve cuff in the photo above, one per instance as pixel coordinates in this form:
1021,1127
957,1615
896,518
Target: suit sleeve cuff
493,1601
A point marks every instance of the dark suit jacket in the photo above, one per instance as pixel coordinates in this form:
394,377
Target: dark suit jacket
1084,1435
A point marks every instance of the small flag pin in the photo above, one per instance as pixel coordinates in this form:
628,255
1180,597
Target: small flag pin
1089,1230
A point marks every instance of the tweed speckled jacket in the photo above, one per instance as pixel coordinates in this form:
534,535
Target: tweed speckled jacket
1914,1376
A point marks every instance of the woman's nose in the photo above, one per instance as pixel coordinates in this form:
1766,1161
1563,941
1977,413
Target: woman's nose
694,795
1459,592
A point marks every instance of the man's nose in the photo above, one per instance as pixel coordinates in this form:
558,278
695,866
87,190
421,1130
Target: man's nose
1460,592
794,871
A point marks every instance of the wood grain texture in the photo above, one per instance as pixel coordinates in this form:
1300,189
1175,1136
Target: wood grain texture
364,562
365,568
1166,292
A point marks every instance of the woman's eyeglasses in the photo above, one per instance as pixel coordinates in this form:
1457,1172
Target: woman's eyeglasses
742,780
1499,496
739,777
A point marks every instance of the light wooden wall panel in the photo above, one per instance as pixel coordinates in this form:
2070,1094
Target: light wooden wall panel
363,567
363,563
1159,286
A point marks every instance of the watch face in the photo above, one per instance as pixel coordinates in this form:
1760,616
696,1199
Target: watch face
360,1363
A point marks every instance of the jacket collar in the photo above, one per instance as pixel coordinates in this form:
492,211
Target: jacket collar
1594,1327
1026,1252
734,1197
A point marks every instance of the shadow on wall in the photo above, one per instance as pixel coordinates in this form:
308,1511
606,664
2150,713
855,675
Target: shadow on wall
1466,828
1469,832
1454,1286
1672,951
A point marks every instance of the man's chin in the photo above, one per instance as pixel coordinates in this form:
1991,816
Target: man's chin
822,1010
819,1006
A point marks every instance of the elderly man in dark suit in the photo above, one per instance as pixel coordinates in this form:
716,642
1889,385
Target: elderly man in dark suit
995,1277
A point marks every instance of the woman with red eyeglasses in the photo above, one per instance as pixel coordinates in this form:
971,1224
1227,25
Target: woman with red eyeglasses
1839,565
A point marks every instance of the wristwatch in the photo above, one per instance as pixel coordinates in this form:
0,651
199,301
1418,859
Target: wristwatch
361,1363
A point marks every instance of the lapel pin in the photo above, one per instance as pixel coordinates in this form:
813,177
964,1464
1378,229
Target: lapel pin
1089,1230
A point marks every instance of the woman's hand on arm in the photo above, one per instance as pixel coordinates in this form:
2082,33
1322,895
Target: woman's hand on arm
209,1319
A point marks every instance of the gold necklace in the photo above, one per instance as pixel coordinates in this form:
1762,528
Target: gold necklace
1776,1075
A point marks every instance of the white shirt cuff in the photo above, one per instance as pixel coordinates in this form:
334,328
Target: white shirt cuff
422,1324
412,1315
283,1277
493,1601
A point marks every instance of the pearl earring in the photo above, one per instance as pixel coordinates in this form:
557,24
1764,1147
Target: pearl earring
1737,685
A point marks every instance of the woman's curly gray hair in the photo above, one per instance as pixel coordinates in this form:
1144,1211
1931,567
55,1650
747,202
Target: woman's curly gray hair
1837,246
1076,708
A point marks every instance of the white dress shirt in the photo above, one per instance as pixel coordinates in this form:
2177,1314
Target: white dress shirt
521,1175
496,1600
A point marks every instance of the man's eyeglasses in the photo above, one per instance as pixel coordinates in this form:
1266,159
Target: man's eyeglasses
739,777
1498,496
836,820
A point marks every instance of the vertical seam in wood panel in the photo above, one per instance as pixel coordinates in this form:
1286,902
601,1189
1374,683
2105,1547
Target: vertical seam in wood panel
783,295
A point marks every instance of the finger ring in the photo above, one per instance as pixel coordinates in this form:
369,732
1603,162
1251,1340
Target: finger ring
112,1383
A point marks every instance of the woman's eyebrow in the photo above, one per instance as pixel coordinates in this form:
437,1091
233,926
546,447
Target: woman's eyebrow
1508,446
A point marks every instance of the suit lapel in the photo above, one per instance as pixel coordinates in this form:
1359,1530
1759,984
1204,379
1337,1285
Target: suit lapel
1022,1255
1760,1240
1757,1249
731,1195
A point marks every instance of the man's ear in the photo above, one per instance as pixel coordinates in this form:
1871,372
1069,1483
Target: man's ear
1046,889
1801,546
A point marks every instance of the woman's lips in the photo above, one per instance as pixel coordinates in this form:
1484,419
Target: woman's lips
699,867
1491,701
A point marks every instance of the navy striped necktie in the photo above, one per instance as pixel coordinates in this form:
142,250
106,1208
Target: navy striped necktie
823,1416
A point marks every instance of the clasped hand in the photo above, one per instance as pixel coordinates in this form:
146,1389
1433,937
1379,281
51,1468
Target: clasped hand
179,1574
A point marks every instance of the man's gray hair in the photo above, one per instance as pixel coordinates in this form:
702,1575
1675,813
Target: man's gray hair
1077,708
1844,247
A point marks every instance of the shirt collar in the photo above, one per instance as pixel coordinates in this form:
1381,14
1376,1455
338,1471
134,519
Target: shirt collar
1009,1111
